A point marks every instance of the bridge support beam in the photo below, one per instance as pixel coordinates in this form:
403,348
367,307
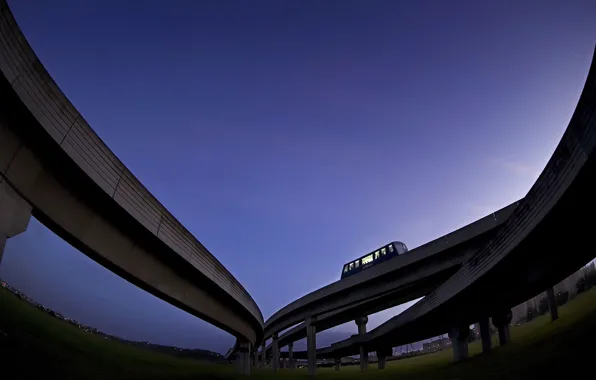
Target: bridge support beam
485,335
552,304
382,356
275,352
361,323
291,355
501,322
15,214
337,363
311,346
263,355
459,342
243,358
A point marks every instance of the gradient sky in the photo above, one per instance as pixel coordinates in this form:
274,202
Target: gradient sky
293,136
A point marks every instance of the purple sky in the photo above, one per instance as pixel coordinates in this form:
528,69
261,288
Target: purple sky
293,136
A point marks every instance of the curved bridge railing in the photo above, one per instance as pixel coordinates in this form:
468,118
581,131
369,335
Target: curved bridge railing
68,128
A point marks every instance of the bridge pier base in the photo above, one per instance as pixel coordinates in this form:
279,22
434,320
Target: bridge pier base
311,346
337,363
15,214
382,362
243,358
501,322
459,342
485,335
291,356
275,353
552,304
361,323
382,356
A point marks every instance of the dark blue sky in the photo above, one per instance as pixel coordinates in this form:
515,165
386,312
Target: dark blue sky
293,136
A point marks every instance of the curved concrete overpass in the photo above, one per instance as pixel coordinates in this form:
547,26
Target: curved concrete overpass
546,238
399,280
54,165
430,259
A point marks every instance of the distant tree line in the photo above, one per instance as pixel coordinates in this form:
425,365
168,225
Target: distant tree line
586,282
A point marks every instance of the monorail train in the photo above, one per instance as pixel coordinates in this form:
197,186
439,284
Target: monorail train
376,257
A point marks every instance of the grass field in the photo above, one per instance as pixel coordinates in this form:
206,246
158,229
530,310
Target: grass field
37,345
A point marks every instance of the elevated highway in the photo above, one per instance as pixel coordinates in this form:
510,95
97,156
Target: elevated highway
404,278
545,239
54,166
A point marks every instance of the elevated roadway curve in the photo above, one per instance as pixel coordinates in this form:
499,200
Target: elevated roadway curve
545,239
399,280
74,184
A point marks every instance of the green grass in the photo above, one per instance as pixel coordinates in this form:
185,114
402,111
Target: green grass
38,345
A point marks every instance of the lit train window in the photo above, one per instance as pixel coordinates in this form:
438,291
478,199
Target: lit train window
351,266
376,255
346,268
357,262
367,259
383,251
391,248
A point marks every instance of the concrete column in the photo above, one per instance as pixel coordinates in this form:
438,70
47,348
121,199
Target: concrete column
382,356
274,353
459,342
291,355
337,363
15,214
311,346
485,335
552,304
243,358
501,322
382,362
263,354
361,323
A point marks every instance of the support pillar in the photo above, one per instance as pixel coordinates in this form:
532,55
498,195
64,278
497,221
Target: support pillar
263,354
311,346
15,214
552,304
485,335
459,342
361,323
337,363
291,356
243,358
382,355
275,353
501,322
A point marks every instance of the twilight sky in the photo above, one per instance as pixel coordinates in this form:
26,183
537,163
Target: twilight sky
293,136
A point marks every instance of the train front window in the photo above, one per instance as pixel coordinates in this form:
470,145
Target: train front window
346,268
351,266
367,259
391,248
